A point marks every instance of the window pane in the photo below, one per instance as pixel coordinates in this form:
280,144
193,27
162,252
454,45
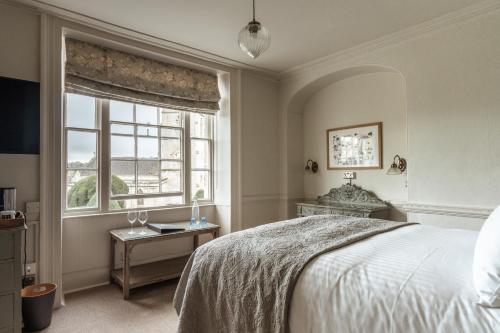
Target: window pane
122,129
170,181
200,125
200,154
171,149
81,188
80,111
147,131
121,111
171,165
170,133
171,118
147,148
200,184
148,177
145,202
147,159
122,146
123,177
146,114
81,150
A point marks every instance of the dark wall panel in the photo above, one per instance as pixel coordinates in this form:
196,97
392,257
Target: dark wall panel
19,116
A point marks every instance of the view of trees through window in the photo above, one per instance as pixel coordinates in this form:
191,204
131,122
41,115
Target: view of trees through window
143,151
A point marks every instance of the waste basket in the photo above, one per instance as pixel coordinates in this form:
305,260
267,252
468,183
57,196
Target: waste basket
38,301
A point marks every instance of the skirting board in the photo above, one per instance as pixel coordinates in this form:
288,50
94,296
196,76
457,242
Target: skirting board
86,288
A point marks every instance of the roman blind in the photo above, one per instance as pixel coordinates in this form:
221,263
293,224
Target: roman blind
107,73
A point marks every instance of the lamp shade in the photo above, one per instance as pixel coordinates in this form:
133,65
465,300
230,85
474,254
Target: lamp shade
394,170
254,39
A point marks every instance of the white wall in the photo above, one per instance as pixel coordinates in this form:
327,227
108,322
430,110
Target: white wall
20,59
453,79
21,171
20,40
260,150
359,99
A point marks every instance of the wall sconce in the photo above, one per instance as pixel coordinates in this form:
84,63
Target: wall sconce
312,166
398,167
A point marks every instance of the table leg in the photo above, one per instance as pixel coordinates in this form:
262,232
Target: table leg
215,234
196,242
111,259
126,270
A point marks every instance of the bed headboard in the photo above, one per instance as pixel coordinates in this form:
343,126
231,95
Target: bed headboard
351,194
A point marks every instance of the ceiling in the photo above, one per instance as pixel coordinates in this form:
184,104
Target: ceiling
302,30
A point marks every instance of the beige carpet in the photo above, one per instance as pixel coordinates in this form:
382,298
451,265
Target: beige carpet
103,309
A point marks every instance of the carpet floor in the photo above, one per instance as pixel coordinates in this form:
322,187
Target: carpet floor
103,309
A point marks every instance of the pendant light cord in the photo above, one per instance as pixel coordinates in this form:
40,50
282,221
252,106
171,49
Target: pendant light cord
254,10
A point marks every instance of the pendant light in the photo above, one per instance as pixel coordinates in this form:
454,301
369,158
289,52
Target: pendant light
254,38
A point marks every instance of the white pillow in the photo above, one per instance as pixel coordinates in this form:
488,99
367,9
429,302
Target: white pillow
486,265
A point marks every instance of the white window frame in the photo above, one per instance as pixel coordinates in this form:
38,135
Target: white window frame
210,140
98,131
103,153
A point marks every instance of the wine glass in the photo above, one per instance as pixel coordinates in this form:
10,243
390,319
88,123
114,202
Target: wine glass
143,218
131,217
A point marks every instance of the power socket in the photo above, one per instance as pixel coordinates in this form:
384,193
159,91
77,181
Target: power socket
30,269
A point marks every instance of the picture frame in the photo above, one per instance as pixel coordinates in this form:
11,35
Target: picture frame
357,147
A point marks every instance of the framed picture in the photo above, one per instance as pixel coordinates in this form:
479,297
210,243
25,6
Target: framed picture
355,147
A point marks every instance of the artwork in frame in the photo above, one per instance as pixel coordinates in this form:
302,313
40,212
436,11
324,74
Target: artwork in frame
355,147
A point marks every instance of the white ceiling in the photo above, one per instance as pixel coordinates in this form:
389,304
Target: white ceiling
302,30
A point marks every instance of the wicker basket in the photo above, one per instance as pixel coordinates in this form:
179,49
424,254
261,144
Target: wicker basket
11,223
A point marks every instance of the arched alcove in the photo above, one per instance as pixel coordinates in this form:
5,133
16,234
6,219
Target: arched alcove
307,110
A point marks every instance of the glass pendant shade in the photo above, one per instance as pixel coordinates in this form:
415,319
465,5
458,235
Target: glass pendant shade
254,39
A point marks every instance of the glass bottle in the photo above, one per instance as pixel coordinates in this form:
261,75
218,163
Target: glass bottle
195,211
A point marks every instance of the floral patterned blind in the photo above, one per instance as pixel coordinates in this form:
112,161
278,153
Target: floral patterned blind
106,73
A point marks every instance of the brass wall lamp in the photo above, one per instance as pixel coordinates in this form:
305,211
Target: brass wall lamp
312,166
397,167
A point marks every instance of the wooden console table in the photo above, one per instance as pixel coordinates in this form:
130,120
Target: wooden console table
132,277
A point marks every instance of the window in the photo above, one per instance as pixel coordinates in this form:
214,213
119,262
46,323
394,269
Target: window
141,161
201,152
82,161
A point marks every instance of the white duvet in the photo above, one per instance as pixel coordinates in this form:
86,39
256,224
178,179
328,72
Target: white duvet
413,279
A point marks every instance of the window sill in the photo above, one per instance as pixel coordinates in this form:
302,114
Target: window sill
75,215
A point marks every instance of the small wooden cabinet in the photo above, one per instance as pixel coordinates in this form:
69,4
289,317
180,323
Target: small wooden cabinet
349,200
10,279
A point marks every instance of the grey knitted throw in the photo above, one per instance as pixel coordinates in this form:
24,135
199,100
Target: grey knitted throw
243,282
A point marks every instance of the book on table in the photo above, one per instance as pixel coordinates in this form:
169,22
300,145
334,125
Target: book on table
164,228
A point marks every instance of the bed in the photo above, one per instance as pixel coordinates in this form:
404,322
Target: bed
401,278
